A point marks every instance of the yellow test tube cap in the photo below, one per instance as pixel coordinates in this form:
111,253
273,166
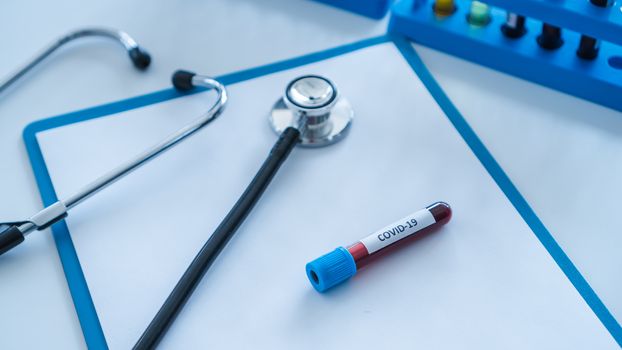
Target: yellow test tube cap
444,8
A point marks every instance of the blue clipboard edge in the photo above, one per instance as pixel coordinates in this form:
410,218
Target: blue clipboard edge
85,308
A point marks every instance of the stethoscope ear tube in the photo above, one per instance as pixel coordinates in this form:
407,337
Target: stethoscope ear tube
183,80
217,241
140,58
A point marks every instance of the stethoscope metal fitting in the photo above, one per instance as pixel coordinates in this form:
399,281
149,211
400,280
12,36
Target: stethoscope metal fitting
314,103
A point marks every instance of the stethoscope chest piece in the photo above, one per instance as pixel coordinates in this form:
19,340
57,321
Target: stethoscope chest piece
315,102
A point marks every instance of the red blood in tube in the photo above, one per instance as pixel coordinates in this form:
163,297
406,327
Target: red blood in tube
440,211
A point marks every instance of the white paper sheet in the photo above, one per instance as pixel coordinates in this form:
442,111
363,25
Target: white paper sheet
484,281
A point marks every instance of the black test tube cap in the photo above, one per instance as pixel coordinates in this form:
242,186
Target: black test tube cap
551,37
602,3
514,26
588,47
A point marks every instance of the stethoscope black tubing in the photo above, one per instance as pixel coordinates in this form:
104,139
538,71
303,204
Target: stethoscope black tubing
214,245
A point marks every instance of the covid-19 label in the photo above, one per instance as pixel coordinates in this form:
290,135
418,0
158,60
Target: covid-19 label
398,230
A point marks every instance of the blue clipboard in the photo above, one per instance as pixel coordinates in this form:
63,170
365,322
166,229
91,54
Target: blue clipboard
83,302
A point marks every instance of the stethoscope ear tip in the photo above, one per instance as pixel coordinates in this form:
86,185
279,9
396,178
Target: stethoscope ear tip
182,80
140,58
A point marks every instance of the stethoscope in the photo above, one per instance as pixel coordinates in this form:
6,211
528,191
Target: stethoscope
311,113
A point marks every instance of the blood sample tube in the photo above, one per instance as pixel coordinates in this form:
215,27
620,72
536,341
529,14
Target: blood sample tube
339,265
551,37
514,26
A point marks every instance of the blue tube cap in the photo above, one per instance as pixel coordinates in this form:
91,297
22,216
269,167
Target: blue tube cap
331,269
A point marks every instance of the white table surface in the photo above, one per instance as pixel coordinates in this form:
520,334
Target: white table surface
562,153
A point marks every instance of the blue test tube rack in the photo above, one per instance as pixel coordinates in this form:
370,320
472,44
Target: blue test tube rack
598,80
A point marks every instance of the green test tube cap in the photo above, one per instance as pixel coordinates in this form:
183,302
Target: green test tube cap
479,14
